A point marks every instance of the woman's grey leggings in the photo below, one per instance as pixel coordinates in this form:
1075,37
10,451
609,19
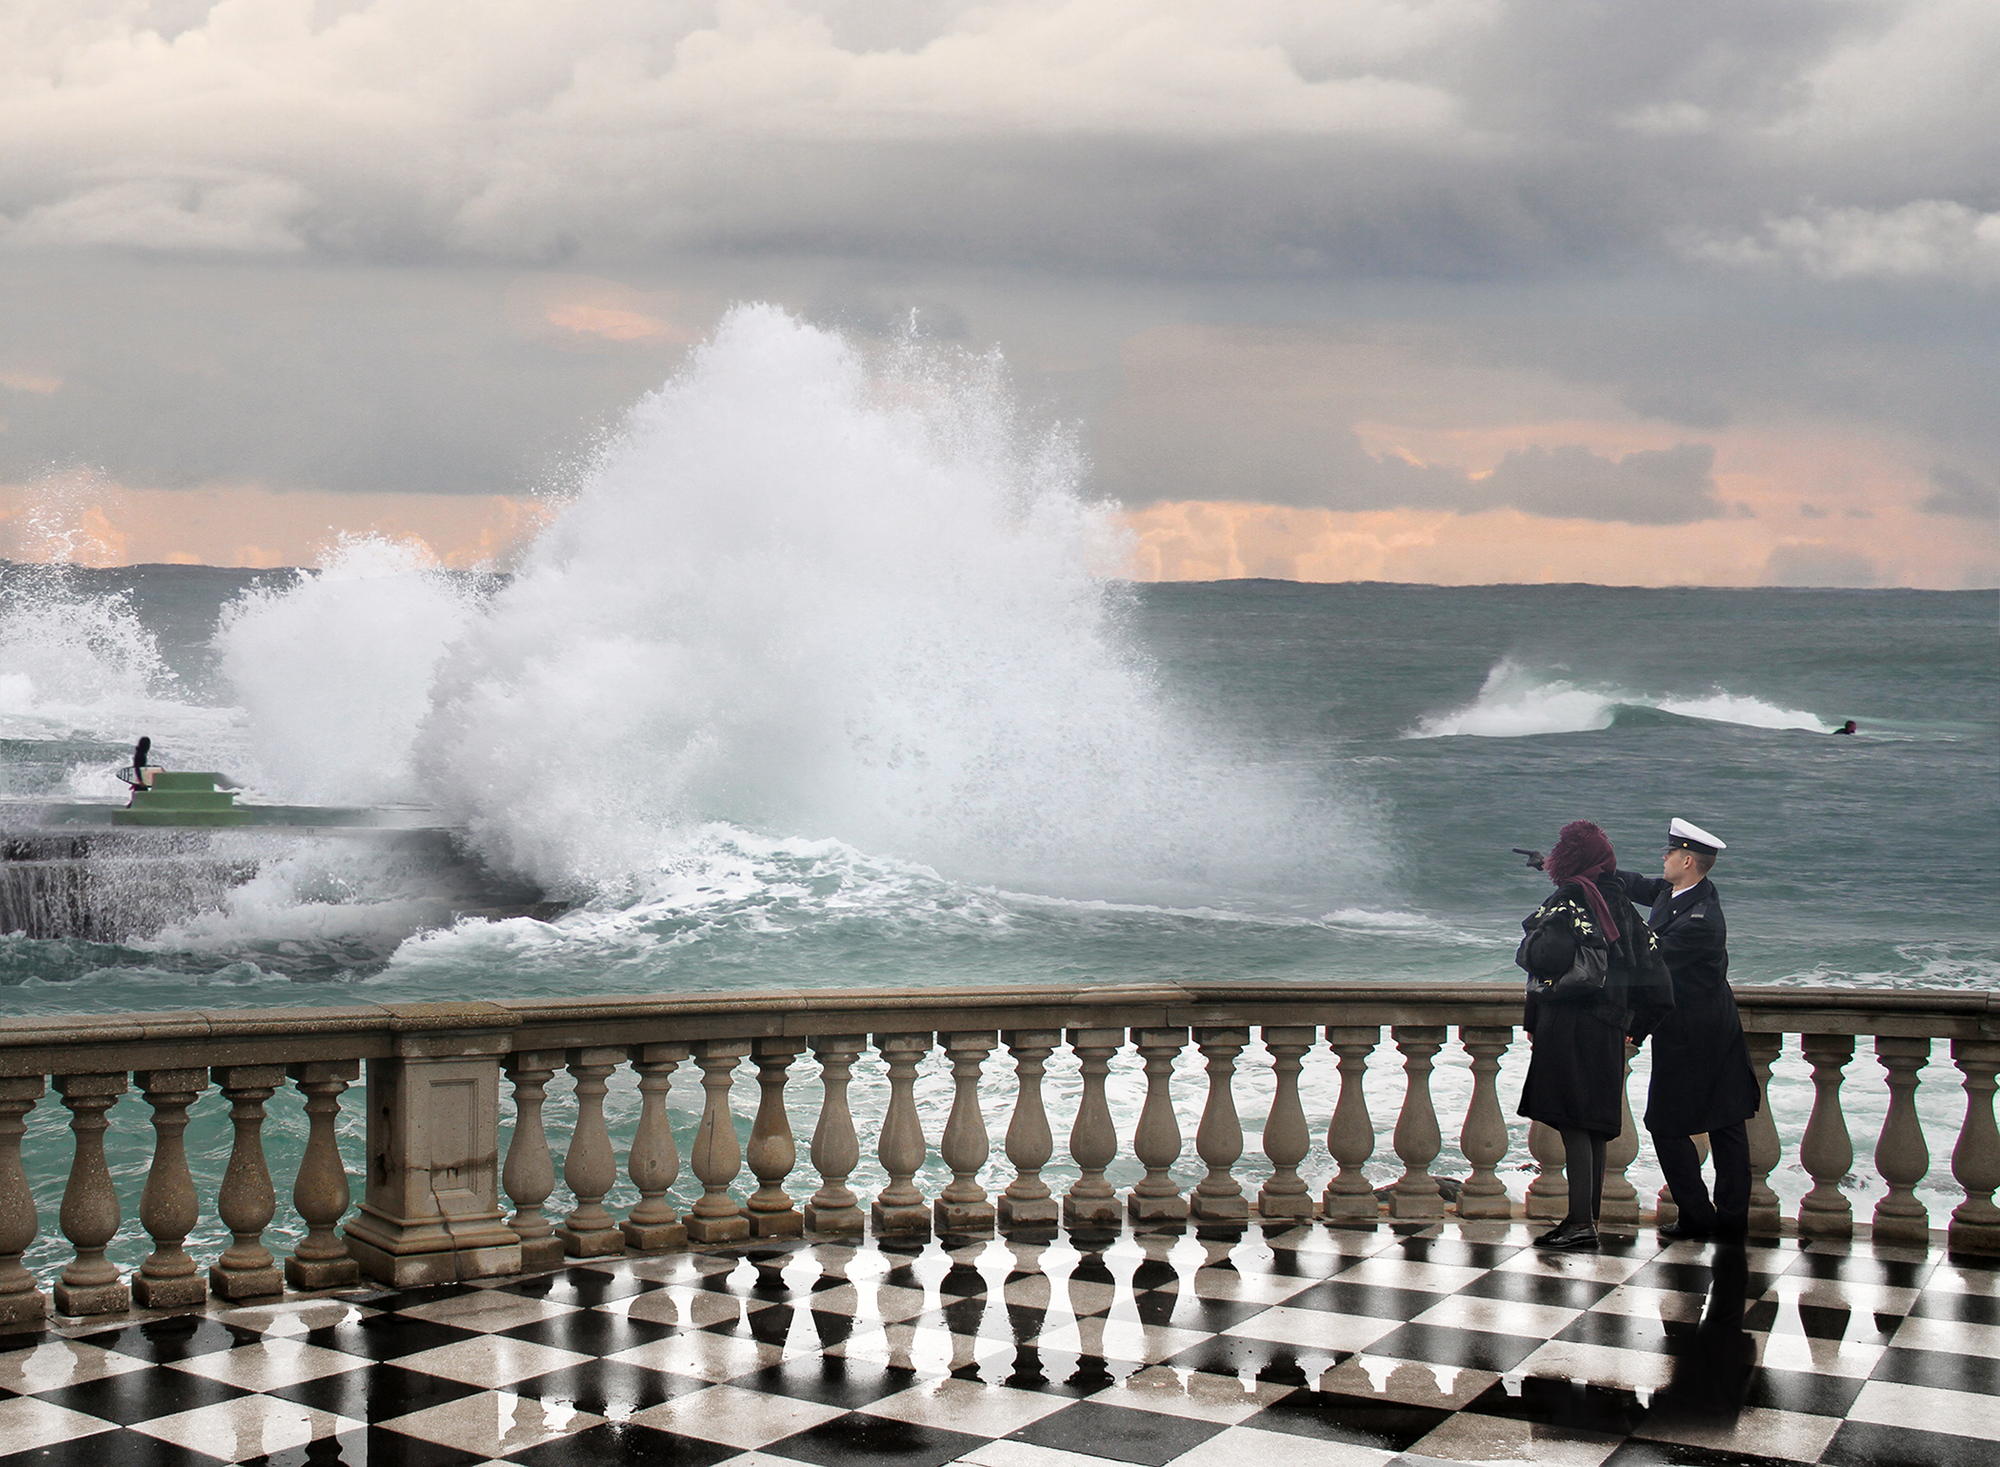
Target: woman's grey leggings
1584,1169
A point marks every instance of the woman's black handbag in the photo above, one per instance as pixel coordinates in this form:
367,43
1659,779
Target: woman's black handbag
1583,981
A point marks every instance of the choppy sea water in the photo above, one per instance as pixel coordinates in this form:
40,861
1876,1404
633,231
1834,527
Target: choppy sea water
820,682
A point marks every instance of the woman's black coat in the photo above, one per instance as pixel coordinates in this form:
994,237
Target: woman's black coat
1702,1078
1576,1073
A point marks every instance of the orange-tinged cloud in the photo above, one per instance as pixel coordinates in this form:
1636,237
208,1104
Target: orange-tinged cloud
43,383
92,523
609,322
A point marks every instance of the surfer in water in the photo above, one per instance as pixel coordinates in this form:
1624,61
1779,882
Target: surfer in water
1848,728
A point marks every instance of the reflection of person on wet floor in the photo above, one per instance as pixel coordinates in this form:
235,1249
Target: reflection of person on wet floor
1702,1080
1576,1072
139,776
1847,728
1712,1369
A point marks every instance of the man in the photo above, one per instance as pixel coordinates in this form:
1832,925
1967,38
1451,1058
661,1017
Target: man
1702,1080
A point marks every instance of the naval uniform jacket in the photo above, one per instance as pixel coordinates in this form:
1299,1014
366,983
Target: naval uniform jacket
1702,1078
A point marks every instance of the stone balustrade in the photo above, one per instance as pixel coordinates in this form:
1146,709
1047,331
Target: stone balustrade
439,1203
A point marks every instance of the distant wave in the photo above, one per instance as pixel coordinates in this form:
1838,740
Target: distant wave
1517,701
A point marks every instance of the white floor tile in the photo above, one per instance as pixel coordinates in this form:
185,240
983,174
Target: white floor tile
734,1417
491,1361
250,1426
53,1364
27,1424
967,1405
1500,1316
1405,1273
1889,1403
1193,1394
269,1366
1470,1437
1243,1446
1314,1329
494,1423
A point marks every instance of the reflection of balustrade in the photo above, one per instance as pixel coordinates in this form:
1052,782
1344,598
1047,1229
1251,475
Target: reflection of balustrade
433,1204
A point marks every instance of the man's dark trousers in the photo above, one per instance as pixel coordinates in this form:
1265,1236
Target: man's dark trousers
1730,1147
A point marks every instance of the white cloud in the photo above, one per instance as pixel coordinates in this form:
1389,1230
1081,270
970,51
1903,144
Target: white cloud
1930,239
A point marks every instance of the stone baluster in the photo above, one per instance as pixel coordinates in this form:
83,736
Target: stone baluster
1483,1138
247,1200
20,1301
1826,1151
1156,1140
530,1173
590,1167
89,1283
1350,1135
168,1207
835,1150
1218,1141
1287,1139
1026,1204
1093,1140
655,1163
901,1149
1618,1204
1900,1154
1418,1140
718,1157
1548,1193
1762,1130
963,1209
1975,1160
772,1152
320,1191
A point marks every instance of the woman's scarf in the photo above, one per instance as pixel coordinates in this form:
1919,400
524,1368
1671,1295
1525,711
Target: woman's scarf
1582,853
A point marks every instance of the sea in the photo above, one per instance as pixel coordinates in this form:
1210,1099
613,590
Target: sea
823,676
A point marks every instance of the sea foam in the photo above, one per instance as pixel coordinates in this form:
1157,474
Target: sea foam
1517,701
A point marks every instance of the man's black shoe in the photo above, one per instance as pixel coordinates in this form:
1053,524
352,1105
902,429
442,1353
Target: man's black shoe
1569,1237
1677,1230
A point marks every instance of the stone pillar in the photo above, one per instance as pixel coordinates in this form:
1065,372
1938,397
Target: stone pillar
1762,1129
590,1166
902,1148
431,1214
1156,1141
835,1149
321,1193
1619,1203
1901,1156
89,1283
1350,1136
1218,1197
1975,1160
247,1200
1826,1152
530,1175
772,1152
1548,1194
20,1301
1483,1138
1417,1138
963,1210
1286,1138
717,1217
655,1162
169,1208
1026,1203
1093,1141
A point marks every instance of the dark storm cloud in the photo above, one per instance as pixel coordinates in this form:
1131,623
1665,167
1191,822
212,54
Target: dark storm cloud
1962,495
1653,486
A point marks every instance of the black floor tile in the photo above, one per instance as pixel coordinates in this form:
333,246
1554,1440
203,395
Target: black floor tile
386,1336
1187,1311
1571,1404
1264,1360
377,1393
1330,1417
1554,1290
110,1449
582,1287
1799,1390
624,1444
1963,1308
608,1387
858,1440
370,1448
1864,1444
1048,1372
1370,1299
177,1337
1307,1264
1155,1273
1978,1374
141,1395
592,1332
1472,1349
1150,1438
830,1380
1622,1332
1674,1454
1860,1268
989,1317
1455,1251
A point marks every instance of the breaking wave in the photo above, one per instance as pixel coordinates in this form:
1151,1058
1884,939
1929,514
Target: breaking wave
1518,701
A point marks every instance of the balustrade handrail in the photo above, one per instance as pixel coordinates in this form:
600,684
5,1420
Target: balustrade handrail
50,1045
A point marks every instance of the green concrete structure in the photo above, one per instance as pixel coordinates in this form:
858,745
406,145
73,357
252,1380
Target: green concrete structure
182,799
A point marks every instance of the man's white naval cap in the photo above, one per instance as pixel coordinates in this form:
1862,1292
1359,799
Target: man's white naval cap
1687,836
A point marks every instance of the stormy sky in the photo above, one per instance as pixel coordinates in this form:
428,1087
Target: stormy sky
1467,289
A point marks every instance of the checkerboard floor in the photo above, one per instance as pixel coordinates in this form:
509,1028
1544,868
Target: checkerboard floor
1271,1347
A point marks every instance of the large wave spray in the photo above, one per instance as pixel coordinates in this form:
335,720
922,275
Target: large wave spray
808,595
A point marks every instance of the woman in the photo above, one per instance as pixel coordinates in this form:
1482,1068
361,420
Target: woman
1576,1075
